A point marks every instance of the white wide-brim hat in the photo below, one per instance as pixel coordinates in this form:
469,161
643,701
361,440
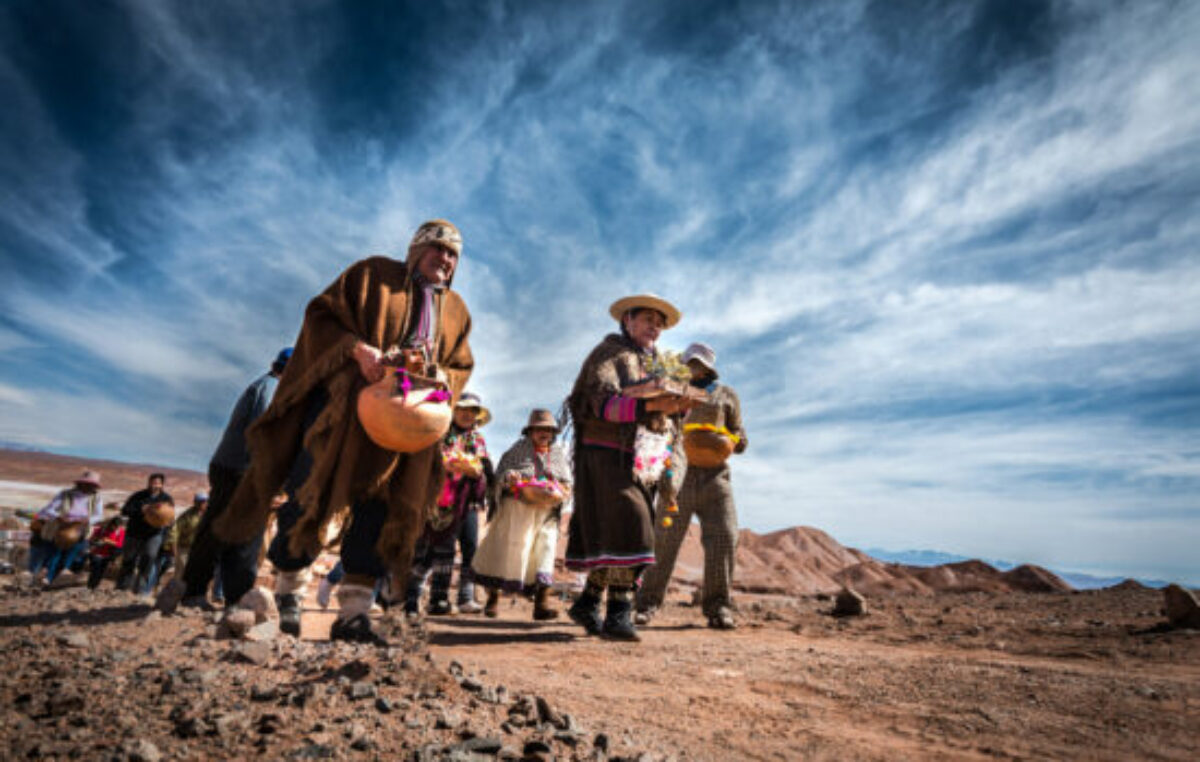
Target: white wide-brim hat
648,301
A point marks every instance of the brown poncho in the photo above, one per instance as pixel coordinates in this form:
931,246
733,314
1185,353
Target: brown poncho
371,301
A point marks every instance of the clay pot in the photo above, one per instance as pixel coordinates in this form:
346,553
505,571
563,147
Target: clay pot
408,423
159,515
539,497
706,449
67,534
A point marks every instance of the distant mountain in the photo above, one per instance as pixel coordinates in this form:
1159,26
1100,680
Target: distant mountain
1077,580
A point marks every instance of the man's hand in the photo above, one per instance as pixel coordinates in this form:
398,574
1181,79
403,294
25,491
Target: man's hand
369,362
669,405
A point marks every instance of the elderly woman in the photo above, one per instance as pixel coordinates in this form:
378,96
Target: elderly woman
533,479
622,446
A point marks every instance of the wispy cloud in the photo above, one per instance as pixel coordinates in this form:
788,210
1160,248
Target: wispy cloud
947,255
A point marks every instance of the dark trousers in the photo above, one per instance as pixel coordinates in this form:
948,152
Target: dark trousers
468,541
138,557
359,558
99,565
235,565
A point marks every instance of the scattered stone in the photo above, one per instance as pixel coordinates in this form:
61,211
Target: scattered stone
263,693
227,724
313,751
261,602
471,684
75,639
256,653
849,603
383,705
446,721
480,745
1183,610
546,713
600,742
143,751
263,632
238,622
362,690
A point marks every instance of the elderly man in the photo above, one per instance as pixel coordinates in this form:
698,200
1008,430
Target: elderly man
71,513
310,444
707,494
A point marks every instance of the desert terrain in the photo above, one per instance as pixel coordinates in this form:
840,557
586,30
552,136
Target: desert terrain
956,662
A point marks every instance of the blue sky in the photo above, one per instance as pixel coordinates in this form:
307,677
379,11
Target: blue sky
947,252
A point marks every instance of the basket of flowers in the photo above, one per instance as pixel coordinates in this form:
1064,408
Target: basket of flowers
539,492
405,412
707,445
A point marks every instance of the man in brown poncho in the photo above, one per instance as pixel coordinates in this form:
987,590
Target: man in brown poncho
310,444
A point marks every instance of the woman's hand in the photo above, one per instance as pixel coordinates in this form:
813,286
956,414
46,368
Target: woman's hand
669,405
369,361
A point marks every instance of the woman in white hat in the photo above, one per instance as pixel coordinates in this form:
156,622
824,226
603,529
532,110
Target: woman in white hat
619,459
532,481
65,525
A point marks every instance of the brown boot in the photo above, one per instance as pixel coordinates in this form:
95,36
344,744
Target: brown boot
492,608
543,608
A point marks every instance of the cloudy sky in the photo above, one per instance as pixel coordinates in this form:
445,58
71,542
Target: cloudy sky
947,252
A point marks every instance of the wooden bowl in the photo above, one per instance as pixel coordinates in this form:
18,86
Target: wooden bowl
68,534
706,449
159,515
408,423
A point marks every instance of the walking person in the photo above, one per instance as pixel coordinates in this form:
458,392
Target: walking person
623,447
64,526
148,513
310,443
469,476
232,568
103,547
533,480
707,493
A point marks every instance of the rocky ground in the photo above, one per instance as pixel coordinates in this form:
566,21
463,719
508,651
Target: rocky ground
1094,675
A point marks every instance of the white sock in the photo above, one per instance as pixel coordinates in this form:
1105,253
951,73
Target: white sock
293,582
354,600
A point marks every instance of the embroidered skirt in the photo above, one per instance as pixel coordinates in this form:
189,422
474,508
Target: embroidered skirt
518,552
613,522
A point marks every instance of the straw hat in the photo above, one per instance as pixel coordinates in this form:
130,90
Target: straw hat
650,301
471,399
540,418
90,478
703,354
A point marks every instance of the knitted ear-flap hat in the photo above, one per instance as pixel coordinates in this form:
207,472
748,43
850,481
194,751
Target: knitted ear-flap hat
441,233
646,301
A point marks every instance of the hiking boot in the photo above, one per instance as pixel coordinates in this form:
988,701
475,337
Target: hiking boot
492,608
289,613
469,605
170,597
440,607
543,605
356,629
722,619
586,612
644,616
618,622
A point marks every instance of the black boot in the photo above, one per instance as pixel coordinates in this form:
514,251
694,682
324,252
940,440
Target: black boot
357,629
586,611
289,613
618,622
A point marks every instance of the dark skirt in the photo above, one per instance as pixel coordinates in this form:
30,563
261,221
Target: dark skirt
613,521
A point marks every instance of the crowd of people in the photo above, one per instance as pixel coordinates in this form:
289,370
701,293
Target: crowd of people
296,456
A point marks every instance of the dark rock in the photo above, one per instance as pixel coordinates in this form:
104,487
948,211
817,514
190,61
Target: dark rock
1183,610
313,751
546,713
849,603
601,742
263,693
446,721
383,705
471,684
481,745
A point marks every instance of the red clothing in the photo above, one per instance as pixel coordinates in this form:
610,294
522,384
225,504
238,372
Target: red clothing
106,549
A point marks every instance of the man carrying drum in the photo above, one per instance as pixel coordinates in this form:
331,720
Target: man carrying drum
381,321
712,431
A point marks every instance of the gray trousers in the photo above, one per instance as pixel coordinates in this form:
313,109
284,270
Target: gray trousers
707,494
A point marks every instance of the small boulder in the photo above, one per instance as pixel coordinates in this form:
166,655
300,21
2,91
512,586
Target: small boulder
849,603
238,622
1183,610
262,602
